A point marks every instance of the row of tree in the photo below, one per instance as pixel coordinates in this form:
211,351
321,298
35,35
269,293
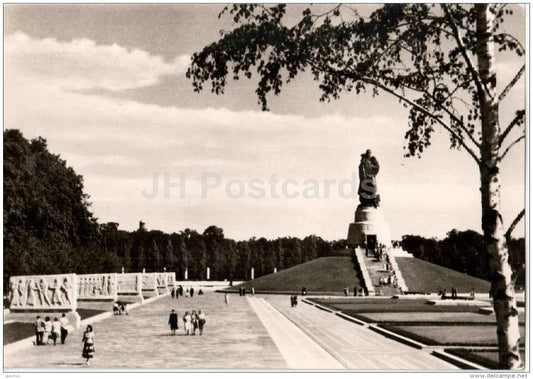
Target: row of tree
193,252
465,252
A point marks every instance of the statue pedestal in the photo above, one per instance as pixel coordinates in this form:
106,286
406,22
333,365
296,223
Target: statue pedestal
369,221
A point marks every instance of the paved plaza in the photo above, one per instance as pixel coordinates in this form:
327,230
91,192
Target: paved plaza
250,333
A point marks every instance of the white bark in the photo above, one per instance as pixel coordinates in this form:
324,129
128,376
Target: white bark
501,273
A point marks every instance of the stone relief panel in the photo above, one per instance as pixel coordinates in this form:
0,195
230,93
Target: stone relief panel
97,286
171,279
149,282
129,284
161,279
42,292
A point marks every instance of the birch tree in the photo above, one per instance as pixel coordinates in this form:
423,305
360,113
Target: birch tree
438,60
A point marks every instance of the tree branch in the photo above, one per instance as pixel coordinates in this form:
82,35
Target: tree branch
356,77
519,118
462,49
511,145
512,83
514,223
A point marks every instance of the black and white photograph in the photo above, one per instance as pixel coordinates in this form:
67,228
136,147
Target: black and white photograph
198,188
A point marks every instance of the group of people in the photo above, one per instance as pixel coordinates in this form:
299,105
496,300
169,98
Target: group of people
178,291
120,308
242,291
294,301
195,321
51,330
453,295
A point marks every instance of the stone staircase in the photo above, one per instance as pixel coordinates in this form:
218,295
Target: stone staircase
373,270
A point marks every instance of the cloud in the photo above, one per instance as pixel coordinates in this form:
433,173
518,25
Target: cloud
80,160
81,64
118,145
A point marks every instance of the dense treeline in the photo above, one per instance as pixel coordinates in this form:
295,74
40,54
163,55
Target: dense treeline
49,229
192,251
465,252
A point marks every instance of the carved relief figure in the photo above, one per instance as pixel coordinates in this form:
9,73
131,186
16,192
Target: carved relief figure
55,292
65,290
43,292
32,288
22,292
110,286
105,290
14,292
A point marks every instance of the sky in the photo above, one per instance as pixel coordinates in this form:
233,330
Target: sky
105,85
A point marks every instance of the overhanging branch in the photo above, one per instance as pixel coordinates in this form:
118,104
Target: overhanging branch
511,145
519,118
428,113
512,83
514,223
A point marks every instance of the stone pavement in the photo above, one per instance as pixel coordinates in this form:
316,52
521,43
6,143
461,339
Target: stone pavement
248,334
298,349
234,338
355,346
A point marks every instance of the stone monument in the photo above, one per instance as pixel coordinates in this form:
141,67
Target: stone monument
97,287
52,295
149,285
162,283
369,228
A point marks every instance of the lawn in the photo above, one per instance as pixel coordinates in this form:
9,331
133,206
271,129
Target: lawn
356,305
487,358
423,276
432,318
16,331
458,335
324,275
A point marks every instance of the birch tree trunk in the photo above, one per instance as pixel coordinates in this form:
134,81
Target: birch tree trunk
502,285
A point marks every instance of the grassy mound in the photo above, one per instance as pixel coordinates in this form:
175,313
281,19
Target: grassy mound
322,275
423,276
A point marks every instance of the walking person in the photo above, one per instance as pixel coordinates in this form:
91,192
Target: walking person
187,323
192,292
172,293
39,331
48,329
88,344
201,321
56,330
194,321
64,332
295,300
173,322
